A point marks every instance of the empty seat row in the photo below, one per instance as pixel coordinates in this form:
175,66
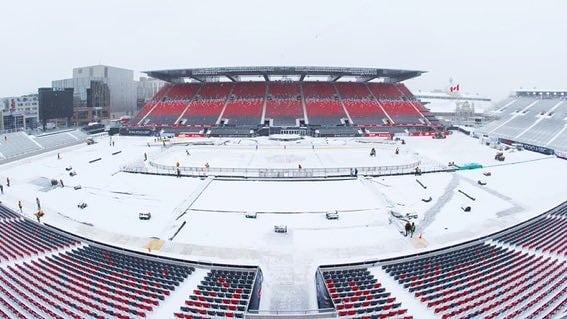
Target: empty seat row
356,293
545,234
221,293
21,238
7,214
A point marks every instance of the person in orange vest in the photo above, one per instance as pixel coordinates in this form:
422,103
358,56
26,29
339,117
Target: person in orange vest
39,214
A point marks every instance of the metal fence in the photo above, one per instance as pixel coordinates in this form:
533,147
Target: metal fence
272,173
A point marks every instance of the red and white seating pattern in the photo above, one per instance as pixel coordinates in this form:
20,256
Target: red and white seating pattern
253,90
319,90
281,90
283,101
244,111
365,112
385,91
324,112
284,111
203,112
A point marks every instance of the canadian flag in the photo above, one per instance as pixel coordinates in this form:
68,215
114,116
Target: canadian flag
454,88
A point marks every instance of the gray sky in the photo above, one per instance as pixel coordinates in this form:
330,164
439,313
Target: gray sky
489,47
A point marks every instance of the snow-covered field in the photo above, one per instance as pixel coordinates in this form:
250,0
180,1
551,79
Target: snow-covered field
213,210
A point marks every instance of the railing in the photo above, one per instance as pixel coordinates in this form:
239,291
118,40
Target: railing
312,313
272,173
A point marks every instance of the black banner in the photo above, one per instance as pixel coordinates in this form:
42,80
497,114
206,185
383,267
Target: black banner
136,131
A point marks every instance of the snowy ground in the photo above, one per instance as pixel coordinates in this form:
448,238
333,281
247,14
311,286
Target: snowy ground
216,229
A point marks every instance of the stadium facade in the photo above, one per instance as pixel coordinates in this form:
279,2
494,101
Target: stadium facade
318,101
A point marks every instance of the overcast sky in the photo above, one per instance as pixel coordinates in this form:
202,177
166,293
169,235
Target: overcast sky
490,47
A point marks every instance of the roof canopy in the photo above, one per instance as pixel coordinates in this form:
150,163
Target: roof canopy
332,73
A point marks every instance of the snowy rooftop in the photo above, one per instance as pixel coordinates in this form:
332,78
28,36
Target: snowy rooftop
213,209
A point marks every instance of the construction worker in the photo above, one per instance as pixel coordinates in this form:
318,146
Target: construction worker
39,214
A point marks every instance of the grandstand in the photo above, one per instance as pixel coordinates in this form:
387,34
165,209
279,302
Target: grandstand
496,277
367,99
47,273
20,144
535,119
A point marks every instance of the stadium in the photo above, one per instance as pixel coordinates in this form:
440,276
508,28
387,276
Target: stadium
289,192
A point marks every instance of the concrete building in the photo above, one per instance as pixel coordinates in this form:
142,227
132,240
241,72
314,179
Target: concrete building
20,112
101,92
146,89
456,107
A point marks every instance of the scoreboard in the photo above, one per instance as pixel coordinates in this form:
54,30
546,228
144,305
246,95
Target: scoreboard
55,103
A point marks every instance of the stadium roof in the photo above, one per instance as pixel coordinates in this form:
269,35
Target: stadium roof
332,73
